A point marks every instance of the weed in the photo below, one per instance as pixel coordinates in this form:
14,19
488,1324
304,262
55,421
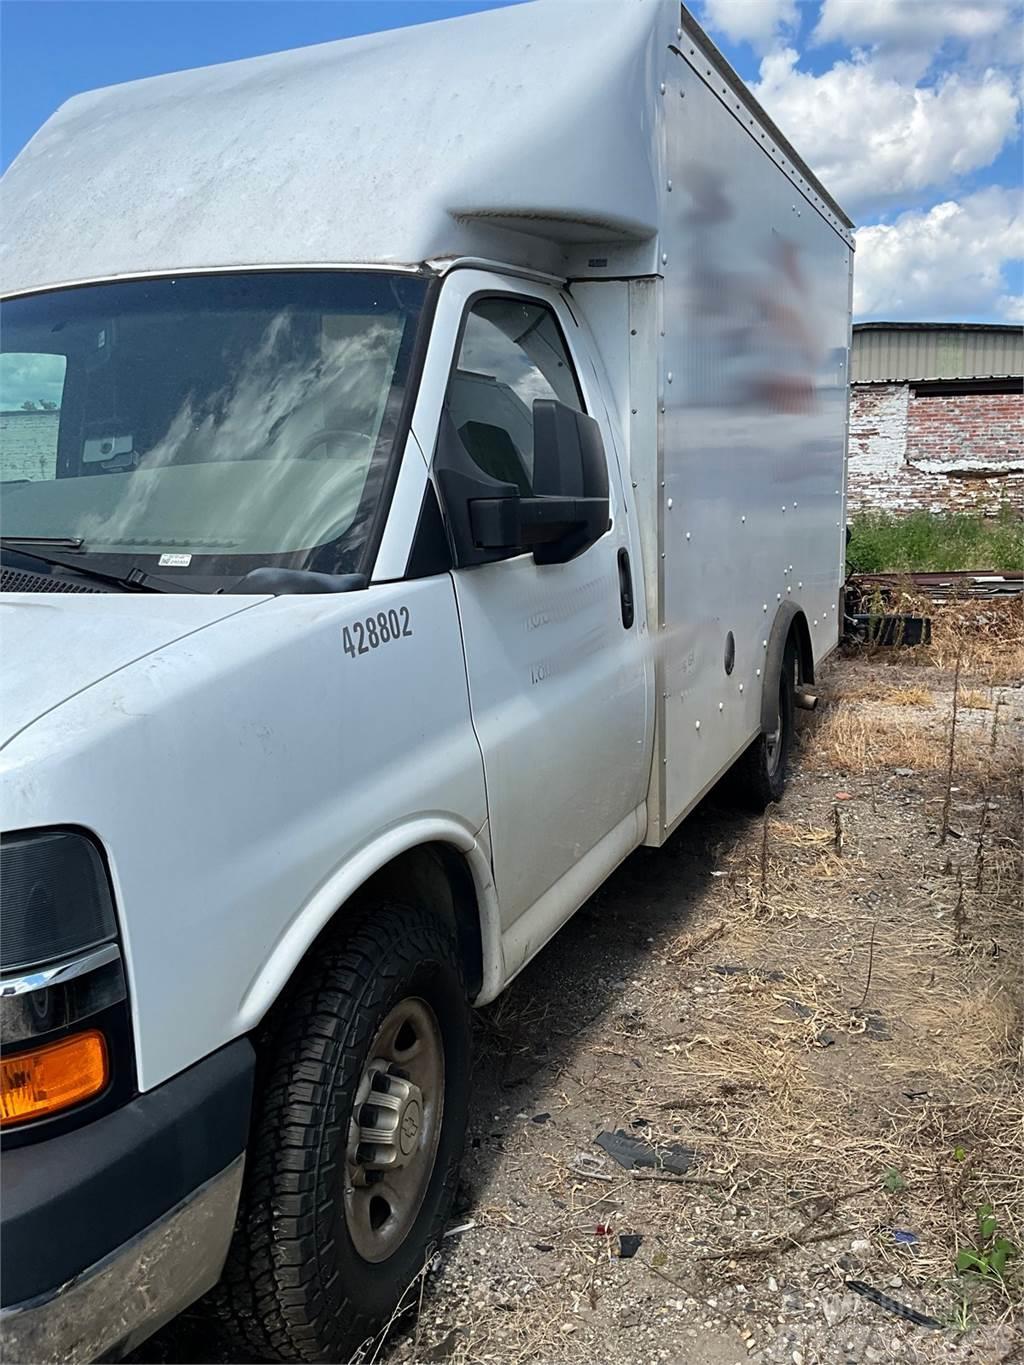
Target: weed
988,1258
960,1316
974,699
948,798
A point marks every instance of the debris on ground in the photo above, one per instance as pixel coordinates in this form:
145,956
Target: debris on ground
898,1310
635,1154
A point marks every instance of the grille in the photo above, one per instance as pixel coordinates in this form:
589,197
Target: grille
17,580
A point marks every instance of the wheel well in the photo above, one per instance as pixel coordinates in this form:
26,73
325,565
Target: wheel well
436,876
800,631
790,624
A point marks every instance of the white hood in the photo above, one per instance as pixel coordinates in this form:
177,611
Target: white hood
53,646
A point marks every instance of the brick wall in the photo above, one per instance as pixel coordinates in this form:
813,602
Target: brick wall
28,444
962,452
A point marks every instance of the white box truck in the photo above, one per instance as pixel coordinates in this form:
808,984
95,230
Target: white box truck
423,479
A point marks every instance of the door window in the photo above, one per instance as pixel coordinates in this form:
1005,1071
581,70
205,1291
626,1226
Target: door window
512,352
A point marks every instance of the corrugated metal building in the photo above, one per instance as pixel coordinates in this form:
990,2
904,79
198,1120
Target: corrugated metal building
936,417
886,352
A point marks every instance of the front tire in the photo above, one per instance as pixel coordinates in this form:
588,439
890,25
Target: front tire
359,1126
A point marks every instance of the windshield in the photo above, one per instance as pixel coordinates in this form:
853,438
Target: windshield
206,424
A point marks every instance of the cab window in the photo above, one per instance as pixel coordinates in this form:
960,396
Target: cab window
511,353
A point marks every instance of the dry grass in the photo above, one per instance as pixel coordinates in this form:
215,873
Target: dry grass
850,739
987,634
974,699
989,637
877,689
907,696
863,740
929,1019
930,987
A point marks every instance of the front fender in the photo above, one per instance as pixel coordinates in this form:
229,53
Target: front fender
330,899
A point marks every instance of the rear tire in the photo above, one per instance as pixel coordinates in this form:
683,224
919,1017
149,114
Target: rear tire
335,1224
760,775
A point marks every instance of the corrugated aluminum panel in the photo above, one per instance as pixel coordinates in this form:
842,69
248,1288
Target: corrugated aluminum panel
893,353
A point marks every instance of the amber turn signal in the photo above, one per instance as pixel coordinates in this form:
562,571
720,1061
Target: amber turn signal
45,1080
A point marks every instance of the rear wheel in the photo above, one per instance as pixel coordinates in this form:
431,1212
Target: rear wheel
360,1122
760,775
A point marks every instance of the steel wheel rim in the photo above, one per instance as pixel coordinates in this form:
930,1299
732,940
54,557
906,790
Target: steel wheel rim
394,1130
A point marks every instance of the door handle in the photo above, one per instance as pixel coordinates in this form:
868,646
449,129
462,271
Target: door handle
625,589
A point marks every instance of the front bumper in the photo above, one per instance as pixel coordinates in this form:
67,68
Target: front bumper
119,1302
110,1230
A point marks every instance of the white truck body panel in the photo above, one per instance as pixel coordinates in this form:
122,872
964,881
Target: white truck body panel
37,629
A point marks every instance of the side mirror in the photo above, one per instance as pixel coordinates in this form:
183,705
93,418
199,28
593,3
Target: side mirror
567,509
569,463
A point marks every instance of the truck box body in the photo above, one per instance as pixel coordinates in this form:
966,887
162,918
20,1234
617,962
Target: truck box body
535,328
742,352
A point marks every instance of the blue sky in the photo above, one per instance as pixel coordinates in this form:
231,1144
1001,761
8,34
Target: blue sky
909,110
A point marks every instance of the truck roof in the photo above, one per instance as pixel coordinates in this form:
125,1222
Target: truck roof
515,134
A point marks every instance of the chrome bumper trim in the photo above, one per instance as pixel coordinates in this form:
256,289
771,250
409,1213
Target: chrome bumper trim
123,1299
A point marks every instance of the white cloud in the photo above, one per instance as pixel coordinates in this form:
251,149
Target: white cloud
919,28
947,262
872,138
754,21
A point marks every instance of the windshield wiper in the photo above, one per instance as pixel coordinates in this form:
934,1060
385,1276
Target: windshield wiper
58,542
135,580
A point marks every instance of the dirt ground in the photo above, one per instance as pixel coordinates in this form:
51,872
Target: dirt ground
815,1019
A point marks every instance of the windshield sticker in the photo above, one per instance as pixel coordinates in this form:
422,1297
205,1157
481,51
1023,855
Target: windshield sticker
175,561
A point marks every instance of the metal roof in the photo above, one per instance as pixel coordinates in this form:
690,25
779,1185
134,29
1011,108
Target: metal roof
888,352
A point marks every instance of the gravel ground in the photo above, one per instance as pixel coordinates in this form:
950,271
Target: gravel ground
816,1018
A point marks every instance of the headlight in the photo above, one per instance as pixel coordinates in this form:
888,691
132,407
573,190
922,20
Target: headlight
64,1020
54,898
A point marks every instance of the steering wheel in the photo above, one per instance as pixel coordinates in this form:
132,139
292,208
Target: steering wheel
327,434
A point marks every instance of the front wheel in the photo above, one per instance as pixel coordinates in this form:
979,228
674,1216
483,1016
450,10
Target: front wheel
760,775
360,1123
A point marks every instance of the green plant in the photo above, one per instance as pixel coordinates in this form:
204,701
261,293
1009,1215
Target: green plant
989,1257
924,542
893,1181
959,1316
